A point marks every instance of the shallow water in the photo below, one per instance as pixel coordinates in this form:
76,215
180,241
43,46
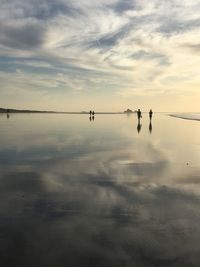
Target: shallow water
76,192
187,116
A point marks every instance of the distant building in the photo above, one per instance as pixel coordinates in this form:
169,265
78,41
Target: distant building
128,111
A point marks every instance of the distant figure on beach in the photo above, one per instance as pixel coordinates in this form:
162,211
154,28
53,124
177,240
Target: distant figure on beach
8,115
150,114
139,126
93,113
90,112
139,114
150,127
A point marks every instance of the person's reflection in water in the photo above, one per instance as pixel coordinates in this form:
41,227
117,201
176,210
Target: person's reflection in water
91,118
150,127
139,126
8,113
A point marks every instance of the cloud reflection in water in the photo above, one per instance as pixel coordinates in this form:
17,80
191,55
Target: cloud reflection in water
78,201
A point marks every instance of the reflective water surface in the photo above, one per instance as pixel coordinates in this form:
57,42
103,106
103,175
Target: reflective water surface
103,192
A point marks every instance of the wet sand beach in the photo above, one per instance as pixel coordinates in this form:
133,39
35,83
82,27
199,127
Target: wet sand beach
102,192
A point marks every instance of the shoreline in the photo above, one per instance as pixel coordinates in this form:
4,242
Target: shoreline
57,112
184,118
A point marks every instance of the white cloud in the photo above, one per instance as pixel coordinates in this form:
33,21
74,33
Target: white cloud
128,45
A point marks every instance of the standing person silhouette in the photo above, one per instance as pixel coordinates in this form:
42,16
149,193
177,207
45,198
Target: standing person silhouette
8,113
150,114
139,114
93,113
90,112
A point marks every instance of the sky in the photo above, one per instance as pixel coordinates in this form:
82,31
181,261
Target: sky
106,55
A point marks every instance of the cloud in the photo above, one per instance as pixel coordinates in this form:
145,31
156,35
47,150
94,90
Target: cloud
35,9
194,48
178,26
143,55
21,36
123,6
126,45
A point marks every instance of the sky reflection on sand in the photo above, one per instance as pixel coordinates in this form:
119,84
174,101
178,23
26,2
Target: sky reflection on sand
81,193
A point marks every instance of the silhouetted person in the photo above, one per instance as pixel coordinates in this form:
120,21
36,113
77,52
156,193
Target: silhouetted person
8,115
93,113
90,112
150,114
139,114
150,127
139,126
